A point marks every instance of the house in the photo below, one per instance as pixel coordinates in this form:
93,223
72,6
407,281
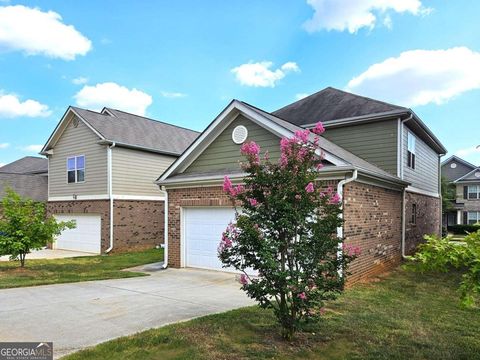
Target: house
466,179
381,158
27,176
101,173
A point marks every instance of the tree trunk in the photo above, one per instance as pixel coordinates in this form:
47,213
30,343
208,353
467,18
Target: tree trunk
22,260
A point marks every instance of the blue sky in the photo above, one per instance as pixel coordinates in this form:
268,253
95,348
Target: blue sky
183,61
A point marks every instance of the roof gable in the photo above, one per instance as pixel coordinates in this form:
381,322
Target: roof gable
332,104
473,175
30,186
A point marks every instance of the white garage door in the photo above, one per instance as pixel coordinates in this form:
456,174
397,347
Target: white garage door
203,228
86,235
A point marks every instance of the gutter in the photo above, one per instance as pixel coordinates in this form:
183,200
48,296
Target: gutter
340,228
110,193
165,229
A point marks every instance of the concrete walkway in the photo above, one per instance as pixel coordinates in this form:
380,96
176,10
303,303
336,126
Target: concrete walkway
51,254
75,316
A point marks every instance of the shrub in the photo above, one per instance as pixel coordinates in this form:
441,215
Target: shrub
286,233
463,229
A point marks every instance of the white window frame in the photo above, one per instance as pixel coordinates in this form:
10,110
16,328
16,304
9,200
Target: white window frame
411,150
75,157
475,192
473,216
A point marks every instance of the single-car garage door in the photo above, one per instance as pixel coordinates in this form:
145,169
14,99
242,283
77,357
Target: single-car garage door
84,237
203,228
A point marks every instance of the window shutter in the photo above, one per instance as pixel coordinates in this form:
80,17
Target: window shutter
465,192
465,218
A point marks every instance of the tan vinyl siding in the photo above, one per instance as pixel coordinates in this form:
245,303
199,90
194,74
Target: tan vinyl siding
374,142
78,141
425,174
134,171
223,153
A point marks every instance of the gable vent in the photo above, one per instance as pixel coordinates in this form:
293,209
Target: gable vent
75,122
239,134
477,174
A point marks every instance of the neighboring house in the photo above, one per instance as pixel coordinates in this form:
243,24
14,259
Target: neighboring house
466,178
102,168
27,176
381,157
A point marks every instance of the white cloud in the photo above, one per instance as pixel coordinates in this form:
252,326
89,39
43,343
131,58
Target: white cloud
468,151
173,95
4,145
32,148
80,80
112,95
301,96
259,74
37,32
11,106
353,15
420,77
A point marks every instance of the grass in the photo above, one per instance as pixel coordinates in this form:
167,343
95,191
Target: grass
85,268
405,315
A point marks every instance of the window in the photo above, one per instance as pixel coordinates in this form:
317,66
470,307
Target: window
474,191
411,150
473,217
76,169
413,219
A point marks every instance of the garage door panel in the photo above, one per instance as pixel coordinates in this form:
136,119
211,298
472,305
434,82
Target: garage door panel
86,236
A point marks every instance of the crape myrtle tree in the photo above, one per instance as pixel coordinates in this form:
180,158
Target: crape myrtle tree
285,232
24,226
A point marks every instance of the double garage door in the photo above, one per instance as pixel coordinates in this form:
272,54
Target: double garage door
85,237
202,232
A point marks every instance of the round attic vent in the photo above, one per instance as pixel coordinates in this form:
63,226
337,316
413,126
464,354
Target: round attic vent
239,134
453,165
477,174
75,122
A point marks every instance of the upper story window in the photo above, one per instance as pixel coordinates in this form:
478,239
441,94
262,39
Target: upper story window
411,140
76,169
474,191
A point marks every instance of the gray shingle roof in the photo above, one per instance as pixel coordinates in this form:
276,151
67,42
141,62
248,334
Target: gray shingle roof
26,165
329,146
332,104
34,187
134,130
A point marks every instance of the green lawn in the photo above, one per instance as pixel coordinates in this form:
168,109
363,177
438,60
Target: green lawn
41,272
403,316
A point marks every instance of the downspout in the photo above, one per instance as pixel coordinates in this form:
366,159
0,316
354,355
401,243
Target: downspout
340,228
400,149
110,193
165,232
440,191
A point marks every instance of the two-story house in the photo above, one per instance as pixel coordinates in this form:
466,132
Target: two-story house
466,179
381,158
102,168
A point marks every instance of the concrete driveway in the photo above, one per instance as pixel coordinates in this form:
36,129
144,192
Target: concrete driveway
75,316
50,254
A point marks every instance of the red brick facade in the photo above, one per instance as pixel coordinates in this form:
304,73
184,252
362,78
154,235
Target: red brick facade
428,218
373,221
138,224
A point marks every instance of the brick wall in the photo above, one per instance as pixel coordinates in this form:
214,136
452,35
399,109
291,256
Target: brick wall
428,219
373,222
137,224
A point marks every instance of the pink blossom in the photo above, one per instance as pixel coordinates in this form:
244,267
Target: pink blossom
335,199
302,296
227,185
351,250
302,135
309,188
318,129
243,279
253,202
252,150
319,166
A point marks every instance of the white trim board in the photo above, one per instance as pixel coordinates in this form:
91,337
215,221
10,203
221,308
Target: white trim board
415,190
106,197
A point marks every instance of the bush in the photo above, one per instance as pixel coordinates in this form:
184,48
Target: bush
441,254
286,232
463,229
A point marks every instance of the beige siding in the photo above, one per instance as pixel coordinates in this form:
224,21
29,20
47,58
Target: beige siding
425,174
78,141
134,172
223,153
374,142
